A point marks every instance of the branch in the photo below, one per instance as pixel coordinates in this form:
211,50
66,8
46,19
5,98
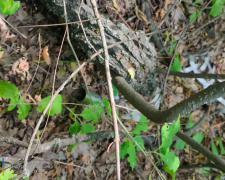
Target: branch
182,108
110,89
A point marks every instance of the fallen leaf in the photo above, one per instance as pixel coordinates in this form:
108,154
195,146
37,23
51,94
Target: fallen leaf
46,56
85,158
141,15
131,71
70,169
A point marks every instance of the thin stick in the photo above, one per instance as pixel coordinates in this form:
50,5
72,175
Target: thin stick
13,27
108,75
43,114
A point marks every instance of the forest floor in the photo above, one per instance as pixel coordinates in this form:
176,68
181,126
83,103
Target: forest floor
29,59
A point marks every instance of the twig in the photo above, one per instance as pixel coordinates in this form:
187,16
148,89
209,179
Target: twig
13,27
12,140
108,75
43,114
191,75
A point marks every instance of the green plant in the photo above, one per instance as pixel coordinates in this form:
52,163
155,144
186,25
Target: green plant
180,144
9,7
8,174
217,7
10,91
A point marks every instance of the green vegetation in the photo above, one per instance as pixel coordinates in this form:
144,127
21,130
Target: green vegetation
10,91
9,7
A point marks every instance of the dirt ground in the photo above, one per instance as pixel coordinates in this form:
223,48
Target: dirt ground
32,59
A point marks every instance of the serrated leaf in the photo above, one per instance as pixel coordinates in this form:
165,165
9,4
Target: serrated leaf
8,90
87,128
171,160
198,137
123,149
131,72
107,105
214,149
190,123
74,129
176,64
221,145
167,133
140,142
23,108
180,144
13,102
132,154
142,125
217,8
8,174
56,106
93,112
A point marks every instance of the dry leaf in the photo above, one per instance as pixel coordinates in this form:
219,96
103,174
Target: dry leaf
46,56
85,158
70,169
131,71
141,15
160,13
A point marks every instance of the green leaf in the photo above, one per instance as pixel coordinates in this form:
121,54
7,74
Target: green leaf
221,145
8,7
13,103
142,125
214,149
8,174
94,111
23,108
115,90
176,64
192,17
140,142
190,123
70,147
8,90
74,129
180,144
171,172
56,106
198,137
13,9
171,160
123,148
128,147
132,154
167,133
87,128
217,8
107,105
205,170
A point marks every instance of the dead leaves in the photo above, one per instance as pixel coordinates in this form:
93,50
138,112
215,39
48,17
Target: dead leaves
46,56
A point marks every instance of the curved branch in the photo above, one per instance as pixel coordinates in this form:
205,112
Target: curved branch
184,107
203,97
